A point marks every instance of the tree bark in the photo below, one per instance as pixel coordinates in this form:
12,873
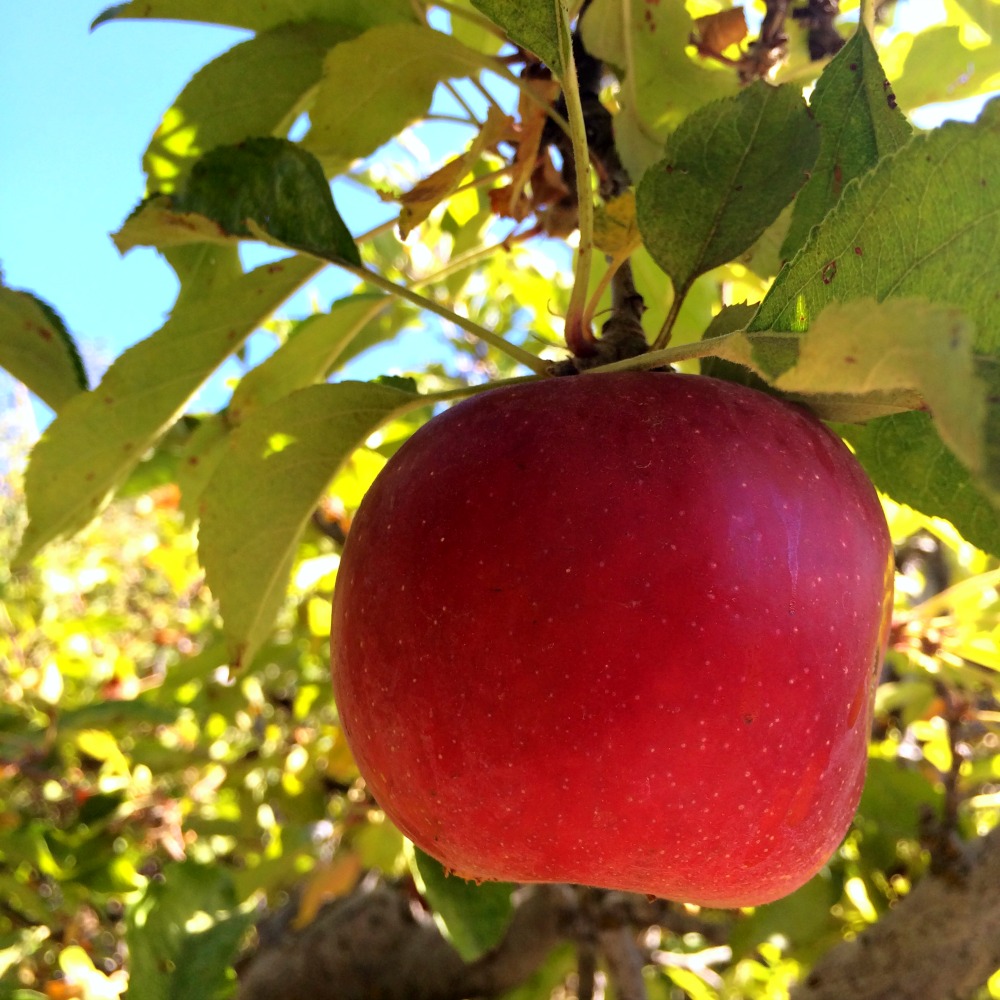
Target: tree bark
376,944
942,941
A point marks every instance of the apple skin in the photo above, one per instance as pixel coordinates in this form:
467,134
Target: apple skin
621,630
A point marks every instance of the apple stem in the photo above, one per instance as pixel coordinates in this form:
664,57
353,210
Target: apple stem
579,333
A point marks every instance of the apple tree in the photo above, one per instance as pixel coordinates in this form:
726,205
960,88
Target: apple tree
577,338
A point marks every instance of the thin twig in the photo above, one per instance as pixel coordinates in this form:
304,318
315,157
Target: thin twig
520,355
666,331
624,961
579,335
463,104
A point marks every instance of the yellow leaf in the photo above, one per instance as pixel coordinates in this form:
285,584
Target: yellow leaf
340,764
156,222
420,200
615,230
104,747
529,133
328,881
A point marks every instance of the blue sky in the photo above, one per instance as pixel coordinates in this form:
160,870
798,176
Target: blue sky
78,108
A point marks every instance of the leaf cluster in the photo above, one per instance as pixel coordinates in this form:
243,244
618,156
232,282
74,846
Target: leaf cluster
171,753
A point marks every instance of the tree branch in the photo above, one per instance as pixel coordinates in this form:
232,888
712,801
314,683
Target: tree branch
379,943
943,940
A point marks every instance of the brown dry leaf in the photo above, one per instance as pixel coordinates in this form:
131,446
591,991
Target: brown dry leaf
328,881
547,185
505,205
560,220
532,118
422,198
714,33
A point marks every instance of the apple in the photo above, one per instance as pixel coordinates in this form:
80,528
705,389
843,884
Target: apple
617,629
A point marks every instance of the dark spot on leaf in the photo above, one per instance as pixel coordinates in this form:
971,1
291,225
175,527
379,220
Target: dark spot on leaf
829,271
43,332
89,476
853,67
891,101
738,187
109,400
850,360
886,85
193,460
858,251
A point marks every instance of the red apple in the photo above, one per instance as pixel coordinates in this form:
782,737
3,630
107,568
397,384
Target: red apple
621,630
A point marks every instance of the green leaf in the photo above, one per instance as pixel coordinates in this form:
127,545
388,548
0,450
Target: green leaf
474,31
267,189
307,356
660,83
275,184
183,934
800,918
202,266
254,89
161,463
37,349
865,346
259,15
925,222
377,84
266,487
892,802
905,457
473,916
198,460
99,436
716,190
859,125
532,24
939,66
156,223
114,715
